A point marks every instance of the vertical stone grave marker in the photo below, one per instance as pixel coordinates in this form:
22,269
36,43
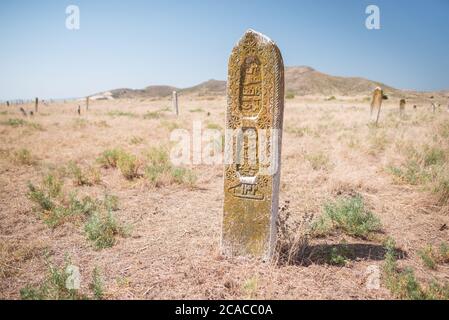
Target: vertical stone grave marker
253,139
402,107
175,102
376,103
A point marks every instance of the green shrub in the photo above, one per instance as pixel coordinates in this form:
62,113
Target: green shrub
348,215
128,165
15,122
444,252
79,177
434,156
432,257
159,170
102,229
183,176
404,285
338,256
109,158
110,202
56,209
410,173
88,177
442,189
40,197
428,257
54,286
97,285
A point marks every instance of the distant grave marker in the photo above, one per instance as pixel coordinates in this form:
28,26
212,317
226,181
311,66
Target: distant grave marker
253,139
36,105
376,103
87,103
175,102
402,107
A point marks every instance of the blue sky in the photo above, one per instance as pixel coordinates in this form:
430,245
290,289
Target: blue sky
132,43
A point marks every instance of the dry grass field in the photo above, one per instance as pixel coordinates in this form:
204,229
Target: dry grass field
96,191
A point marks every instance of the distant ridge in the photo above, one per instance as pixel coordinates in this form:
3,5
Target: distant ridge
299,81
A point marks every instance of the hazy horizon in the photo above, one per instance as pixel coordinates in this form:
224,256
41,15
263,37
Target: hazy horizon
135,44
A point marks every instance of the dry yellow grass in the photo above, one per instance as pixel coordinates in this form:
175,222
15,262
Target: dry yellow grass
329,149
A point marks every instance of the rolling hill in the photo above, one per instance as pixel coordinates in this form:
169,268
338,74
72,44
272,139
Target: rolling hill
299,80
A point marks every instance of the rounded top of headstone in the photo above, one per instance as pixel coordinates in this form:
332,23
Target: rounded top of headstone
260,37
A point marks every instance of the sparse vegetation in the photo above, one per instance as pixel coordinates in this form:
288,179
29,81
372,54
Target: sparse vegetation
290,95
250,287
80,123
55,208
159,170
318,160
170,125
378,141
13,253
213,126
403,283
59,285
298,131
432,257
102,228
426,165
348,215
119,113
129,165
15,122
196,110
136,140
338,255
24,157
292,237
153,114
109,158
97,285
84,177
328,151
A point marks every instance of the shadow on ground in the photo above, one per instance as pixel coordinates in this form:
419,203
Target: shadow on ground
339,254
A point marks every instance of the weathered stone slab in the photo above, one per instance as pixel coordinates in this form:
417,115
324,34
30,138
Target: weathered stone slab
253,139
175,102
376,103
401,106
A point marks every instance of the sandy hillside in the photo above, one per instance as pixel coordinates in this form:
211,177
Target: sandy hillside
170,249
